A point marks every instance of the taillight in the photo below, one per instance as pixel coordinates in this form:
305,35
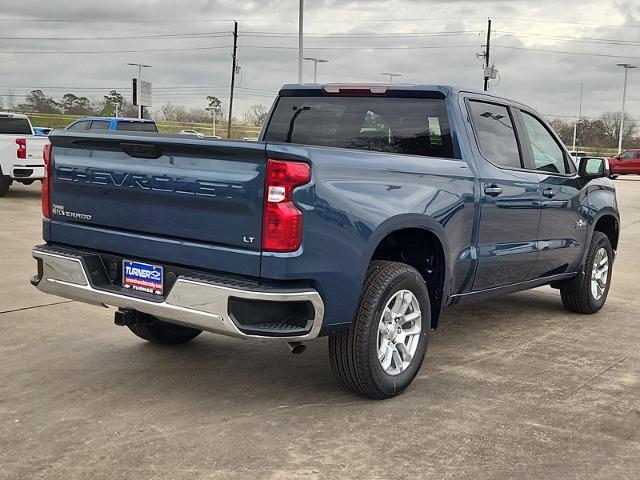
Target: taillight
21,153
46,182
282,223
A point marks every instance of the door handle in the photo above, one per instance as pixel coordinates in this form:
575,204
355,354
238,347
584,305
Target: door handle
549,192
493,190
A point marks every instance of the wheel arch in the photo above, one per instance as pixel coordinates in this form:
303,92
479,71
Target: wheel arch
404,239
609,224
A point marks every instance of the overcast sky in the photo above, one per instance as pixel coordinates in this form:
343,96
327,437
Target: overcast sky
189,45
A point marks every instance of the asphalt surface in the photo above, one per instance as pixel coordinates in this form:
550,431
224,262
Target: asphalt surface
514,387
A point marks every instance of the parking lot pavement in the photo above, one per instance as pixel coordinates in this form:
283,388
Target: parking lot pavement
512,388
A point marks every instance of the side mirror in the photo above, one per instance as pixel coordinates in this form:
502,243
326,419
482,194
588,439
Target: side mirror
591,168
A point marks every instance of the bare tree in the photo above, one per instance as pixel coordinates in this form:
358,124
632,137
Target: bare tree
11,100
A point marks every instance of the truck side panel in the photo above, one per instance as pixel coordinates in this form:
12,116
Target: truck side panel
355,199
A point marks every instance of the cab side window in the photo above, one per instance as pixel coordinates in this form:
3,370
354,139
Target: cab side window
79,126
548,156
495,134
626,156
99,125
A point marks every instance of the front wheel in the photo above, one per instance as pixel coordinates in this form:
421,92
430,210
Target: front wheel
382,351
589,295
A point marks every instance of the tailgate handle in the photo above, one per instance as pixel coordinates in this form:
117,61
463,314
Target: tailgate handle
141,150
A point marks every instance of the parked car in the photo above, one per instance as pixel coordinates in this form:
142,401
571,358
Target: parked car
114,124
194,133
41,131
626,163
20,151
360,214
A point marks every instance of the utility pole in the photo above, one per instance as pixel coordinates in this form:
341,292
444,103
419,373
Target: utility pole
486,56
626,67
300,40
575,127
233,75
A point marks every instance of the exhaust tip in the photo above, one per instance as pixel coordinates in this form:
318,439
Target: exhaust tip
296,347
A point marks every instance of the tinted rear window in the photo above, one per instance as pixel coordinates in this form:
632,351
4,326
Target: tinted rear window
15,126
412,126
495,133
137,127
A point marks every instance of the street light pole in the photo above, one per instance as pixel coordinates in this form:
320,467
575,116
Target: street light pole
300,40
140,67
575,127
626,67
213,115
316,61
391,75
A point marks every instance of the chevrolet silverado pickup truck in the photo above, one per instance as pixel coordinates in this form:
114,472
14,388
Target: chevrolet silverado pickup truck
360,213
20,151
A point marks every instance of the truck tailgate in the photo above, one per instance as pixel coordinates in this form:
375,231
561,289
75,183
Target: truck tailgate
155,190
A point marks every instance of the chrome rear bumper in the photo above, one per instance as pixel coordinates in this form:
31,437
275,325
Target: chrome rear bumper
196,302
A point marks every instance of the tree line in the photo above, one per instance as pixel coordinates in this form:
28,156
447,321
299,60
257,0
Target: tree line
114,103
599,133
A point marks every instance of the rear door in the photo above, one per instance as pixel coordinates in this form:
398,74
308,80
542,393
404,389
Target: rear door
563,229
510,199
158,190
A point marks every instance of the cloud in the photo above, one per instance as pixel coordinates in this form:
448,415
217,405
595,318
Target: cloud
391,35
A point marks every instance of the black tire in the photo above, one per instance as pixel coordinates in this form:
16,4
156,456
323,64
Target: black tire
354,352
5,183
577,295
153,330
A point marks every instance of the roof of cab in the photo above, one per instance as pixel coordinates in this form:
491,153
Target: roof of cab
119,119
445,90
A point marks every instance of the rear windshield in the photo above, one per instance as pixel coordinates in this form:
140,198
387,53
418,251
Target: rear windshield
412,126
137,127
16,126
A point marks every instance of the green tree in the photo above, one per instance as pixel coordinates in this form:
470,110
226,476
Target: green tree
37,102
214,106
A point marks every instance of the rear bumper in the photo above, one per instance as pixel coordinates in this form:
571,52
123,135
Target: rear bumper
27,172
198,301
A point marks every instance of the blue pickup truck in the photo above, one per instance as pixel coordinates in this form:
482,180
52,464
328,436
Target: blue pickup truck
360,213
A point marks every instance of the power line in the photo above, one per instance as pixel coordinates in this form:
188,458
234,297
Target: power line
564,52
58,52
135,37
530,20
603,41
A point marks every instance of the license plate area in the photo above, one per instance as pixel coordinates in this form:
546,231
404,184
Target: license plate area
143,277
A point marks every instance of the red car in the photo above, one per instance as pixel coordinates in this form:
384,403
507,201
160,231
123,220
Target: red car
625,163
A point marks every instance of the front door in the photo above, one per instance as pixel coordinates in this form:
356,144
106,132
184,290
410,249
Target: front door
563,228
510,200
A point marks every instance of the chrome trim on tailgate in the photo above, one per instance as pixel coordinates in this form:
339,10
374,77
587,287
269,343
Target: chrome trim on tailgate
191,302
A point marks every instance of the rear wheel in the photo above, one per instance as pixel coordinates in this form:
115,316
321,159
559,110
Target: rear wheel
5,183
153,330
382,351
590,294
